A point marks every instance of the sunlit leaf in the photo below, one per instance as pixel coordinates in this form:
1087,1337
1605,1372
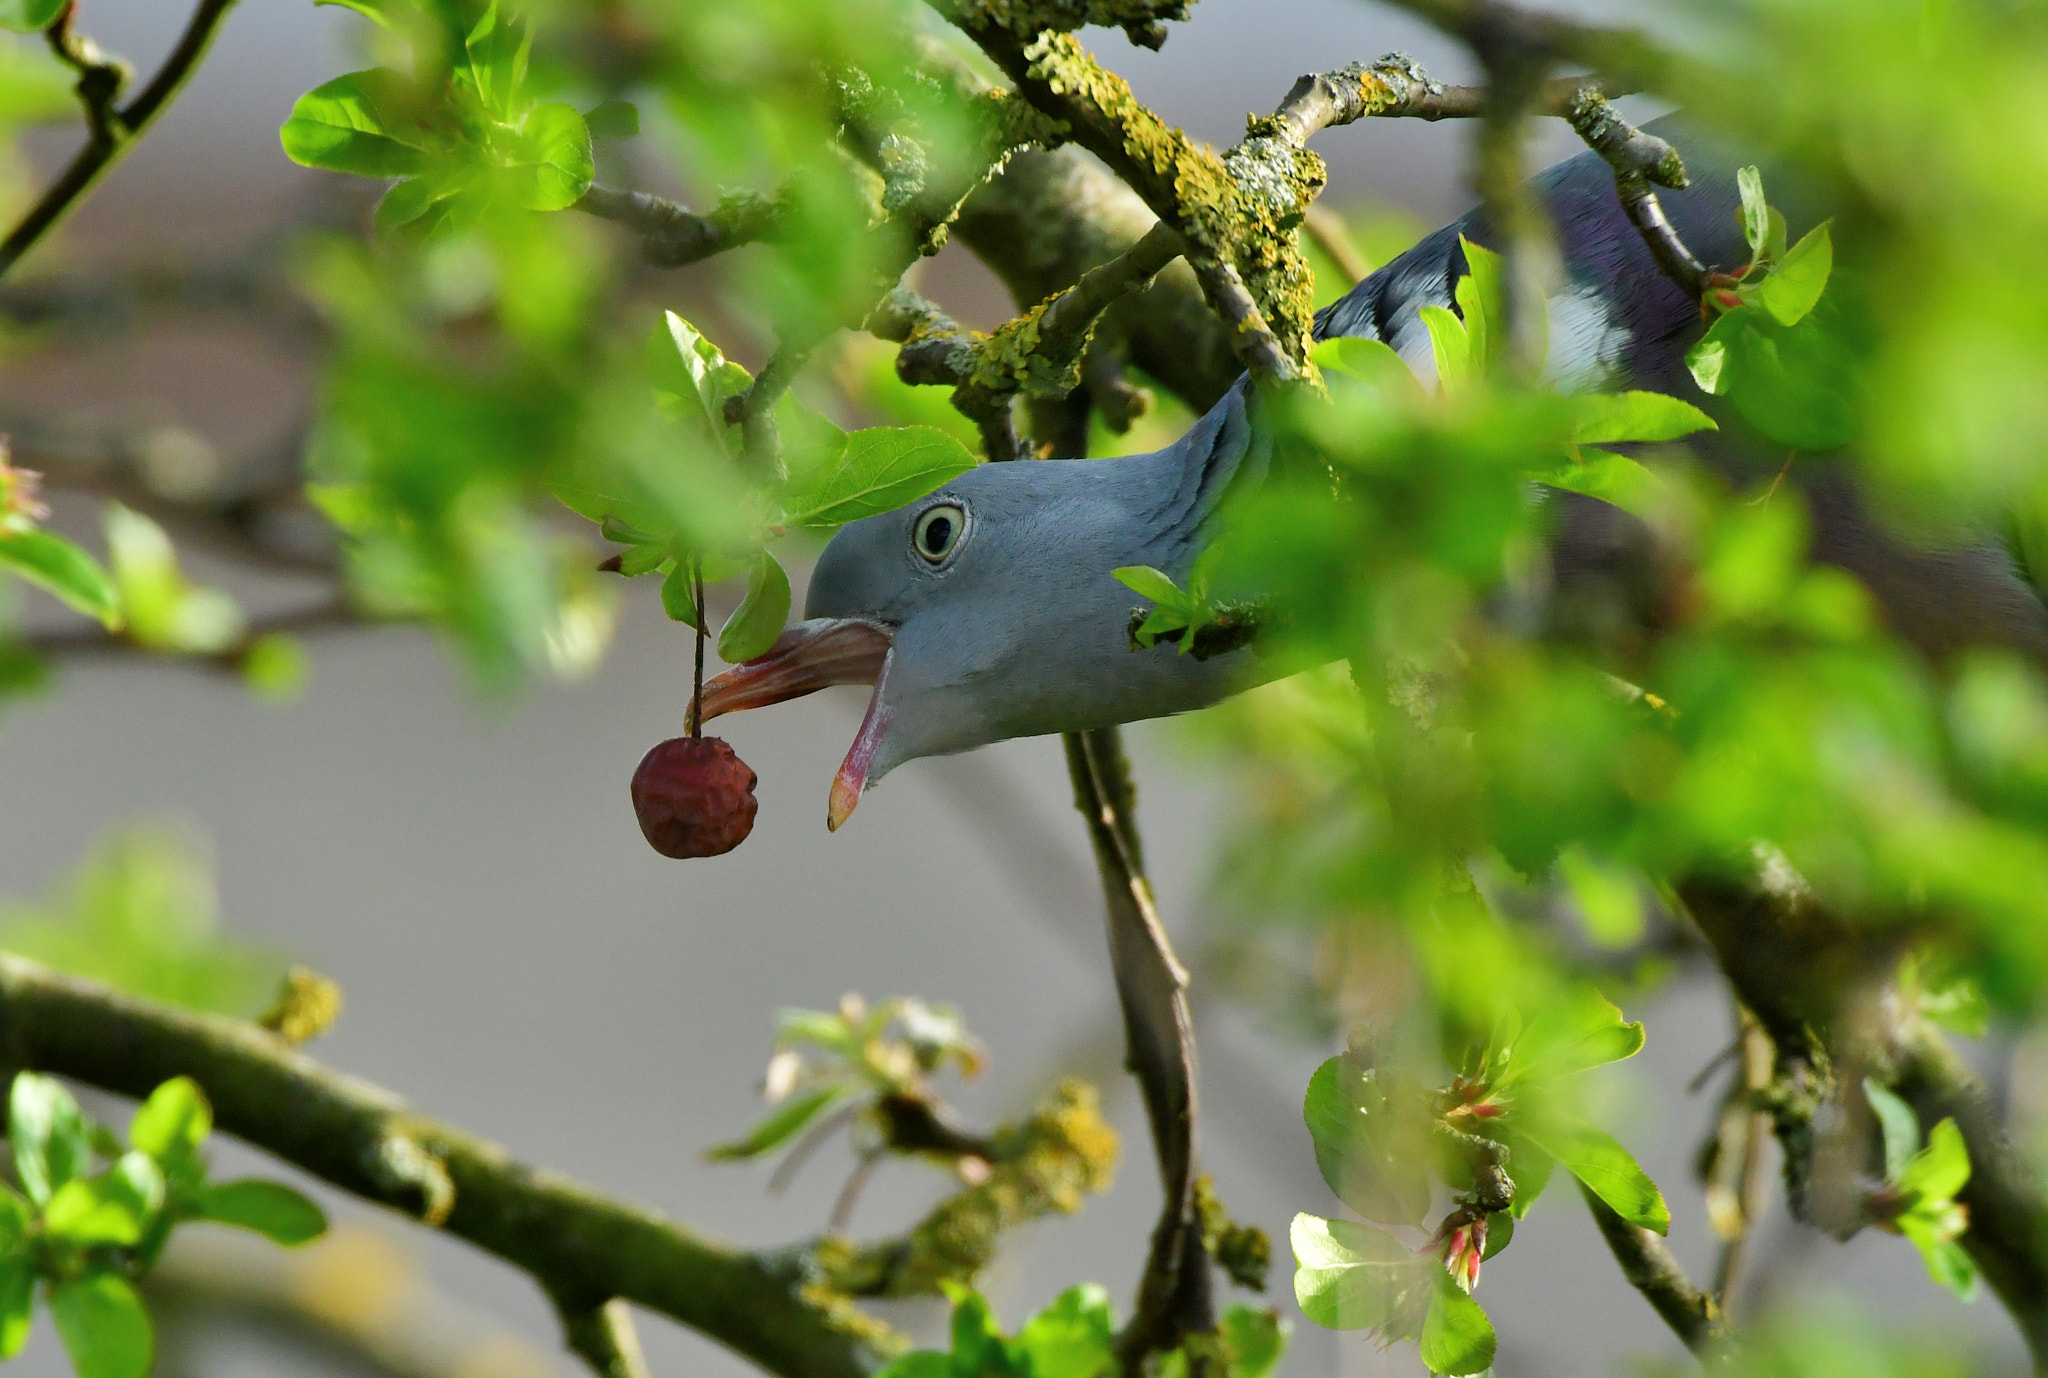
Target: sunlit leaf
172,1124
17,1302
554,164
56,565
1072,1337
1795,285
1609,418
113,1207
1352,1276
371,123
1255,1338
1940,1170
499,47
1608,1170
47,1132
1369,1150
881,469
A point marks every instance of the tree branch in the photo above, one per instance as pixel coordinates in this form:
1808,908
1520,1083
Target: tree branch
114,132
1174,1298
672,235
603,1337
1638,159
1650,1268
354,1135
1819,986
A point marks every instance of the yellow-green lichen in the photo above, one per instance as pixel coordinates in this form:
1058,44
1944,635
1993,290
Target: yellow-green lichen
1241,1251
1019,357
1241,210
1048,1164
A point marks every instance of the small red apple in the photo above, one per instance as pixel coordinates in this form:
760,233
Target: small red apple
694,796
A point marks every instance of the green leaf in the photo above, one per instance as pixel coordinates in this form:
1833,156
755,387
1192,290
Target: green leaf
1614,479
498,47
172,1123
691,376
17,1302
1457,1338
1373,362
407,201
1350,1276
614,119
1071,1338
1500,1232
679,595
1371,1155
1947,1262
48,1133
1608,897
1940,1170
275,667
1529,1169
29,16
113,1207
163,608
1608,418
271,1209
918,1363
1453,349
761,615
369,9
1796,384
1898,1126
57,566
1582,1029
978,1347
882,468
788,1120
1255,1337
1481,295
1755,212
371,123
554,166
1153,584
1594,1157
15,1216
103,1326
1795,285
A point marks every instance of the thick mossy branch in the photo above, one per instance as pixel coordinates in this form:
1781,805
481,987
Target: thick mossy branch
1048,1164
360,1138
1240,242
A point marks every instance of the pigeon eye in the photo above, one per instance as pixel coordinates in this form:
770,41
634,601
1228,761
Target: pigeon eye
937,532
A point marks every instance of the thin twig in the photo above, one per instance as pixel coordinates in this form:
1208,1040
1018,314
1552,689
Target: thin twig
114,136
1174,1296
849,1195
1639,159
1744,1128
1651,1270
814,1138
697,673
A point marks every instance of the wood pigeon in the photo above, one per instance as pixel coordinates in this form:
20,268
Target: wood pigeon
986,610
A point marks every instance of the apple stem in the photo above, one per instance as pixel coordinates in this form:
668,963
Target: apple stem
697,683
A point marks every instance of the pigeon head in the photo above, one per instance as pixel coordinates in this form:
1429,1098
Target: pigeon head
987,609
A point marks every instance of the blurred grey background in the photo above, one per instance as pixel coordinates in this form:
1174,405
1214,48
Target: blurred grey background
517,960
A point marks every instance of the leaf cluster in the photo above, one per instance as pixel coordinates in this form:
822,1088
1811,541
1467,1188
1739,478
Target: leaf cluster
92,1216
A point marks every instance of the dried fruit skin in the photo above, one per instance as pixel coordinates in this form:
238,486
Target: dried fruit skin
694,796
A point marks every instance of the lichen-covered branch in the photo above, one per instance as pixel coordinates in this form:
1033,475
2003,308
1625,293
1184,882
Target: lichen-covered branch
1237,214
114,131
1174,1294
1650,1268
1638,160
1039,355
366,1141
1817,984
672,235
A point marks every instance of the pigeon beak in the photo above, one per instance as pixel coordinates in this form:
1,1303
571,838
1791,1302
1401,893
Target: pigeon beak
806,658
